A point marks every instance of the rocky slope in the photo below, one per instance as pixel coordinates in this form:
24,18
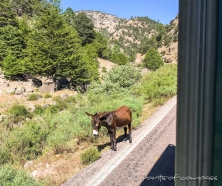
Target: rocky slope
129,33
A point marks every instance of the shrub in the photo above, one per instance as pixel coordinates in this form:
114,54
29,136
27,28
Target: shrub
152,60
90,155
162,83
125,76
47,95
18,113
26,142
52,109
119,58
34,97
11,176
104,70
38,110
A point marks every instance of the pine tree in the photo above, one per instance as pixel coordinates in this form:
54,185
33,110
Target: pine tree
100,43
51,45
54,50
152,60
12,67
69,16
86,70
11,41
85,28
7,16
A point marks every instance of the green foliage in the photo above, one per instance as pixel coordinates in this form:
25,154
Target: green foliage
63,127
10,176
123,76
104,70
34,97
52,47
11,41
152,60
85,28
90,155
38,110
12,67
18,113
69,16
86,70
101,45
118,57
24,143
7,16
47,95
52,109
147,44
28,8
159,84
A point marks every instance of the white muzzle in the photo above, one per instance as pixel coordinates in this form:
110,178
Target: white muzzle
95,132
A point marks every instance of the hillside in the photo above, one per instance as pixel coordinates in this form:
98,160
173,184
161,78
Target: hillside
130,34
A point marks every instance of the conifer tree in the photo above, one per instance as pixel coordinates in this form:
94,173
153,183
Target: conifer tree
84,27
51,45
152,60
11,41
69,16
86,70
54,50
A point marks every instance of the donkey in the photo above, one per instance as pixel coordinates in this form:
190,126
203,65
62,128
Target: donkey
113,120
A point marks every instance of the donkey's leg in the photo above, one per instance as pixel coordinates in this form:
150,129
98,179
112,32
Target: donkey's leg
111,139
130,132
114,139
125,133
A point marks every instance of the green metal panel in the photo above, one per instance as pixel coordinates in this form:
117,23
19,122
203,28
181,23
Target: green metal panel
197,59
217,171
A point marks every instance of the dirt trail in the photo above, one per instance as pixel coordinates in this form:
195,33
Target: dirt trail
151,154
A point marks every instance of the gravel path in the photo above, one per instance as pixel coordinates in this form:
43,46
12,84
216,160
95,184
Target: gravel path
151,155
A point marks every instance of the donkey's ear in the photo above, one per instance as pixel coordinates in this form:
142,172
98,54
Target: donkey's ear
103,116
90,115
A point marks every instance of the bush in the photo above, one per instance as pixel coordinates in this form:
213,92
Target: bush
52,109
38,110
34,97
10,176
90,155
47,95
162,83
119,58
104,70
18,113
25,143
125,76
152,60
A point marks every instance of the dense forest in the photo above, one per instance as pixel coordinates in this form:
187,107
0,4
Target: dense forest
38,38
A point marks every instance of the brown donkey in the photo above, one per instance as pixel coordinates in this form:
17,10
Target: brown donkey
112,120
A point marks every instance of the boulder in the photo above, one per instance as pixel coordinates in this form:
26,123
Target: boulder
19,90
29,90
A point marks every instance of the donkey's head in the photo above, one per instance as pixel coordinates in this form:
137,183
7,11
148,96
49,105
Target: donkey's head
96,122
